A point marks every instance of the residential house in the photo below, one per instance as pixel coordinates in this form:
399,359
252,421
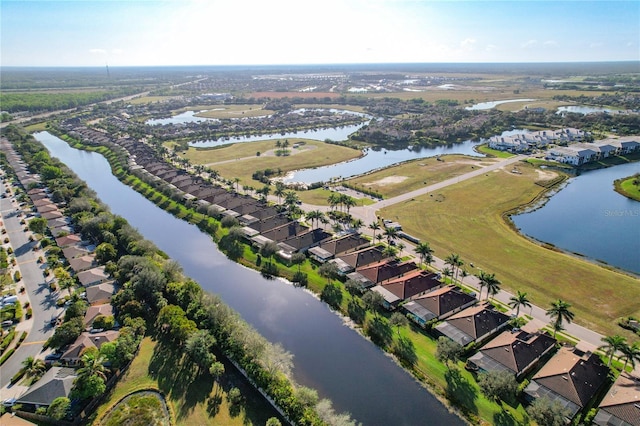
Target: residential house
86,340
74,251
100,293
621,405
92,276
81,263
106,310
474,324
413,283
348,262
571,377
55,383
516,352
68,240
385,270
439,303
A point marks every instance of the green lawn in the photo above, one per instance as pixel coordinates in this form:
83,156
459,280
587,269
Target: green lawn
413,175
494,152
192,399
628,188
466,218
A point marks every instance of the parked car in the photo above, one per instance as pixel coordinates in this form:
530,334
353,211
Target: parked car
7,323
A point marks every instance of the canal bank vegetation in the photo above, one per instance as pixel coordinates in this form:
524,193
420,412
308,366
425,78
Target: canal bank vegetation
193,329
467,218
629,186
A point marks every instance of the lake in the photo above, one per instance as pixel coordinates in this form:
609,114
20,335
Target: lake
588,217
328,356
584,109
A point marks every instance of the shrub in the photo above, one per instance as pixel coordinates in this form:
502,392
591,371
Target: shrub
17,276
6,356
29,313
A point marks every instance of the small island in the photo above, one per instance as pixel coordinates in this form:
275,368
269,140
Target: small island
629,186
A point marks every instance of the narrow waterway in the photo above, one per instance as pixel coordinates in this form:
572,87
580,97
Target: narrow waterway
328,356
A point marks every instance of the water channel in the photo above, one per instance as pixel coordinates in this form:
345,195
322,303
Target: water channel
328,356
492,104
588,217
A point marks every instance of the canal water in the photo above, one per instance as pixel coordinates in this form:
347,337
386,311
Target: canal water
588,217
328,356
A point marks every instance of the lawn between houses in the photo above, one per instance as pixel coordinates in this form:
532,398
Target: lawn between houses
191,401
467,218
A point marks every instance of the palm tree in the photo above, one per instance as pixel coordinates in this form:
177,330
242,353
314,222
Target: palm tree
279,191
560,312
34,367
631,354
425,251
374,226
356,224
333,200
612,345
391,234
490,281
92,365
236,180
464,274
314,216
518,300
454,260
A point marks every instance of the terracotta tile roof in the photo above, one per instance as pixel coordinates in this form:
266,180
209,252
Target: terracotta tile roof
622,402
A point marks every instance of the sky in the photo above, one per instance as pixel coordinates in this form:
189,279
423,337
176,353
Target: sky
258,32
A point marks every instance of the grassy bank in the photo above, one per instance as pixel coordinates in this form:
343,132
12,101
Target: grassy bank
628,187
467,219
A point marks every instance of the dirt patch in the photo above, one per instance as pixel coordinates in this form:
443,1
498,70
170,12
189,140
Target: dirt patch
545,175
389,180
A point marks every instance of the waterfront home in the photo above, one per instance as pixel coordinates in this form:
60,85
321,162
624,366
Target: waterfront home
81,263
440,303
517,352
386,269
571,377
350,261
474,324
55,383
621,405
413,283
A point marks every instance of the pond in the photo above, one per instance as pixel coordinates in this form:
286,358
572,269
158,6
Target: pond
182,118
328,355
588,217
493,104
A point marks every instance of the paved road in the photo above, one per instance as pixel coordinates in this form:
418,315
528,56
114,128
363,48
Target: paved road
37,292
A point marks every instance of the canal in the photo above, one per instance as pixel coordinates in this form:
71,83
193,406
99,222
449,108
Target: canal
328,356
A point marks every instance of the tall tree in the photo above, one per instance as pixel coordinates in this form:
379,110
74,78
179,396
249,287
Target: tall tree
612,344
391,234
520,299
559,312
631,354
398,320
425,252
490,281
374,226
34,367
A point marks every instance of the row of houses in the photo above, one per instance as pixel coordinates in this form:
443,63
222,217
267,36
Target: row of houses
522,142
582,153
97,285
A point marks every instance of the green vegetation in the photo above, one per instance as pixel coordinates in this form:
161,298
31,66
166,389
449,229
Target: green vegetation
474,211
51,101
484,148
629,186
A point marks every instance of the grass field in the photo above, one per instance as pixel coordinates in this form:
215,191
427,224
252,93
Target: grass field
319,196
231,111
192,400
312,154
149,99
416,174
466,219
627,188
494,152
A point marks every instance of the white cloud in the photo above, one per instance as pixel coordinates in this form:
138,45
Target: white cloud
97,51
529,43
468,43
550,43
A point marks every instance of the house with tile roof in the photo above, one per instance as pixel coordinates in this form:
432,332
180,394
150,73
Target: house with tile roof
92,276
414,283
100,293
106,310
517,352
621,405
571,377
474,324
